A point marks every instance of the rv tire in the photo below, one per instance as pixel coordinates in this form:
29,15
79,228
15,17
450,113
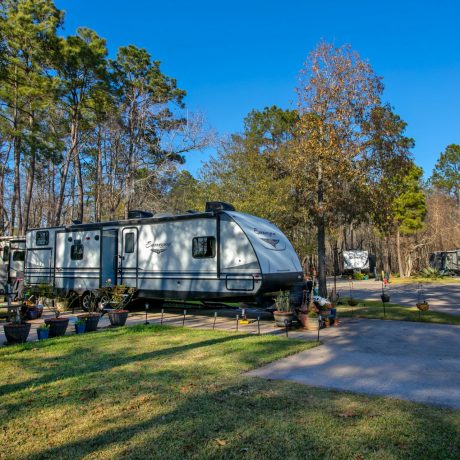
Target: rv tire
88,300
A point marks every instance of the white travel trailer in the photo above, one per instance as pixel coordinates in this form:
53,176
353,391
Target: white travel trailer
358,261
211,255
13,251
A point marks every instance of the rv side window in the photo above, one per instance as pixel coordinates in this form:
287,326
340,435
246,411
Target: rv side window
18,256
76,251
42,238
129,242
6,253
204,246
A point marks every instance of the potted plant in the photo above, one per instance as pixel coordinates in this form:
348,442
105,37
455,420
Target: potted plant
283,310
43,331
312,321
17,330
58,325
80,326
92,317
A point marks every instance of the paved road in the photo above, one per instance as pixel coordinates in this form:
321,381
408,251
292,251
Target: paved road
413,361
443,297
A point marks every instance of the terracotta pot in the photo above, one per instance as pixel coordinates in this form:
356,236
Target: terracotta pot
311,324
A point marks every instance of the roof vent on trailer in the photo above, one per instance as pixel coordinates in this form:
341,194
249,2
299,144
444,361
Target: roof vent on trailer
215,206
137,214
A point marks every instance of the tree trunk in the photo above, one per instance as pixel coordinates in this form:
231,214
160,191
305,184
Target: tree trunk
79,177
97,198
398,254
65,168
29,187
321,227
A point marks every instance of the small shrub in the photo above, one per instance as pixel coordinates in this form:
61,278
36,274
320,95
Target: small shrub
430,272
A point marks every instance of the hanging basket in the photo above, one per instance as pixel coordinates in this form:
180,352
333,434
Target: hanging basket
385,298
423,306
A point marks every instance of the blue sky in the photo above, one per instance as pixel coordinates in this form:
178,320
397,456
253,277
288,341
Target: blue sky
234,56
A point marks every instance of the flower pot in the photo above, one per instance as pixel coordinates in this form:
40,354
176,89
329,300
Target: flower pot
58,326
91,321
385,298
118,317
33,313
423,306
311,324
80,328
43,333
282,316
16,333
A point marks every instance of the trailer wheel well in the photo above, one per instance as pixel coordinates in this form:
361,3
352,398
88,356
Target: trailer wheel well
87,300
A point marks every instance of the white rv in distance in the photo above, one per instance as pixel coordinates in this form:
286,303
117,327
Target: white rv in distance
13,249
358,261
218,254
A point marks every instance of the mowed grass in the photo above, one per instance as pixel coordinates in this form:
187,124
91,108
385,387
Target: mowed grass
173,393
419,279
373,309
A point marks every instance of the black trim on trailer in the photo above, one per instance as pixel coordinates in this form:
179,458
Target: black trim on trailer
218,244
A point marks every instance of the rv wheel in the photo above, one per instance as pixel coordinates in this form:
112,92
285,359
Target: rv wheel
88,301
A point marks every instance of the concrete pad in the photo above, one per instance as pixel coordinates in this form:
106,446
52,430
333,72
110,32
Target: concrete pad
413,361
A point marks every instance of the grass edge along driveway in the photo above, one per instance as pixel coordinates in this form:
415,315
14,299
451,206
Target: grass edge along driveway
373,309
163,392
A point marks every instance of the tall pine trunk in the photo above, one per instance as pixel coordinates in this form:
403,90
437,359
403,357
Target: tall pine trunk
66,166
398,254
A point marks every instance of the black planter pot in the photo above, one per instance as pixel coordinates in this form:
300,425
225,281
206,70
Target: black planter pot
58,326
16,333
118,317
385,298
91,320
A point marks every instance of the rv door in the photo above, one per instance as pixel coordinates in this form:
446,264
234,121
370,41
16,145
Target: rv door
109,257
129,257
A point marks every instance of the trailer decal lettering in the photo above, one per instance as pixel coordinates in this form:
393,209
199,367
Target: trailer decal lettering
157,248
264,233
271,241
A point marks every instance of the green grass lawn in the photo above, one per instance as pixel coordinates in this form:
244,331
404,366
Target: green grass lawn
419,279
374,309
162,392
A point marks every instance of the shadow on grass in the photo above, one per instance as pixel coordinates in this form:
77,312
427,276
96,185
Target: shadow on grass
74,363
267,420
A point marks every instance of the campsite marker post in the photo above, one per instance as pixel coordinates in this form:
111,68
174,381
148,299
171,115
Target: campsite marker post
237,321
146,310
215,319
162,313
183,319
258,325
